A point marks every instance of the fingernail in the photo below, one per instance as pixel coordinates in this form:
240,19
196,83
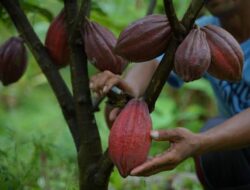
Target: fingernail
91,85
105,89
154,134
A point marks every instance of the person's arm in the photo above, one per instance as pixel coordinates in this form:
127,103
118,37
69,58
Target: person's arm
134,82
232,134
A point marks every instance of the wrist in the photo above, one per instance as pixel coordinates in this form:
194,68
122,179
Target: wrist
205,143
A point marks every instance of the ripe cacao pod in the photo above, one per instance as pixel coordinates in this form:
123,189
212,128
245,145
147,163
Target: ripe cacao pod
193,57
144,39
227,56
13,60
129,140
99,45
56,41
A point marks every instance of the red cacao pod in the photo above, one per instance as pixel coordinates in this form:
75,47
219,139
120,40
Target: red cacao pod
129,140
56,41
193,57
13,60
144,39
227,56
99,45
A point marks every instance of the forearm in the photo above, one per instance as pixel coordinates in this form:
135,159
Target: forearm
139,77
232,134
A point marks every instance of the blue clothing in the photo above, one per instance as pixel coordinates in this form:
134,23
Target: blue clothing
223,170
233,97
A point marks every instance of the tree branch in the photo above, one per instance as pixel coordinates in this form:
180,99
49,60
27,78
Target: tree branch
161,74
192,13
176,26
42,57
105,167
151,7
80,79
167,63
84,11
90,143
96,103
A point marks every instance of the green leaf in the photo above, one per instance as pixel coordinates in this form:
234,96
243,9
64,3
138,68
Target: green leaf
29,7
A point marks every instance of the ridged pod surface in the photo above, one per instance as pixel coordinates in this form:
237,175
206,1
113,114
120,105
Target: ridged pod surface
13,60
56,41
227,56
99,45
129,140
144,39
193,57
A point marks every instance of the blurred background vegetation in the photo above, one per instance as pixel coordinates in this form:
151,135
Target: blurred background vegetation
36,149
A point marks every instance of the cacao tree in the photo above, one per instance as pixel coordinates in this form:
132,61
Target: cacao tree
73,40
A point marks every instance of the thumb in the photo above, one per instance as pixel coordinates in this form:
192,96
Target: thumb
114,113
163,135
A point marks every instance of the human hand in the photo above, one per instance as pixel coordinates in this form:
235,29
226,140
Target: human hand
110,114
183,144
102,82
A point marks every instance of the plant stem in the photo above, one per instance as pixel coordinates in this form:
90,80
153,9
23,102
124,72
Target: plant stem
151,7
90,144
176,26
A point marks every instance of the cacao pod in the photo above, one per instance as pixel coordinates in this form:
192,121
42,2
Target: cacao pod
57,41
144,39
129,140
13,60
99,45
193,57
227,56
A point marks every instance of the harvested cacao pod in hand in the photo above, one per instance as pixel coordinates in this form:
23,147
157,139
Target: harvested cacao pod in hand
144,39
57,41
193,57
13,60
227,56
129,140
99,45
